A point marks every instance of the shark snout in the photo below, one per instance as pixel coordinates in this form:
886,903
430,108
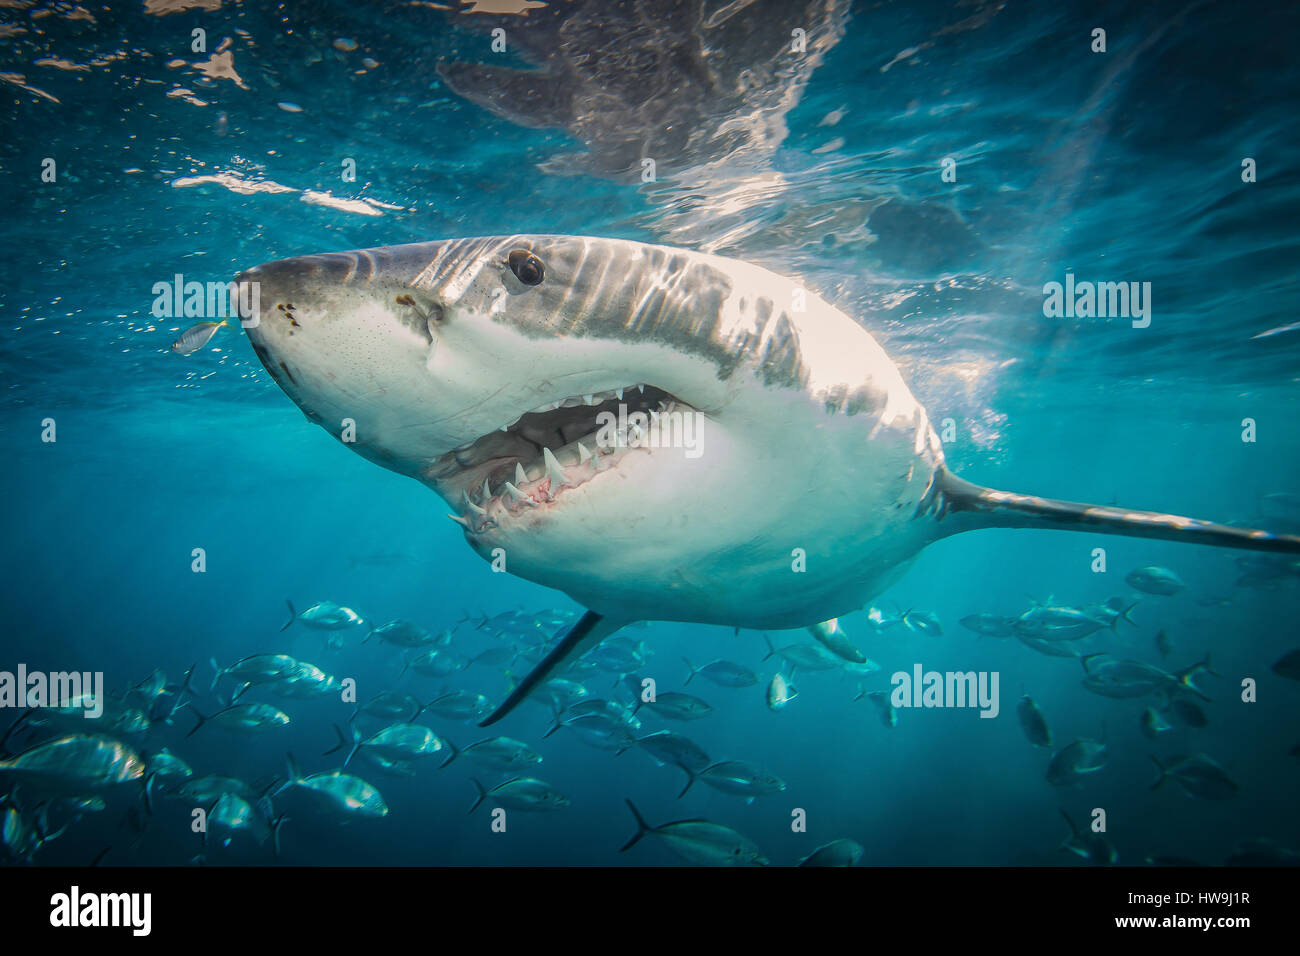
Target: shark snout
334,268
281,292
346,336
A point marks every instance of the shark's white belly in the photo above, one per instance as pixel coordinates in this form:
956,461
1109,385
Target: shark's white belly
780,526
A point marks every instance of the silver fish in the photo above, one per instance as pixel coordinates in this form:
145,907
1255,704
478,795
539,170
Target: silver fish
1155,580
1090,846
522,793
678,706
342,791
699,841
324,616
1033,723
737,778
835,853
498,753
780,692
1074,761
196,336
723,673
403,634
85,761
989,625
668,747
1198,775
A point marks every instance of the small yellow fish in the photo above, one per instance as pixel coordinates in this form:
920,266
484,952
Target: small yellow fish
197,336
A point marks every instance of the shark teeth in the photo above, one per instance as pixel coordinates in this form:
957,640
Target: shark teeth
554,472
573,401
518,496
545,471
590,459
512,497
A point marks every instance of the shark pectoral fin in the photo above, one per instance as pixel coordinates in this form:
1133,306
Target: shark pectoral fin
962,506
590,630
531,98
834,641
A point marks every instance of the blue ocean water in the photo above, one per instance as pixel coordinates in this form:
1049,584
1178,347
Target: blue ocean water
1123,165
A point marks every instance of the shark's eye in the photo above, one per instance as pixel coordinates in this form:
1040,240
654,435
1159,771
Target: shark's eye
526,267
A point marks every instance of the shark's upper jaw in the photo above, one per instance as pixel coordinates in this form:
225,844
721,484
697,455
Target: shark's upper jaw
530,463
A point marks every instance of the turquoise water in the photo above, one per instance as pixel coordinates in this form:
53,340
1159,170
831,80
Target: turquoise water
1116,166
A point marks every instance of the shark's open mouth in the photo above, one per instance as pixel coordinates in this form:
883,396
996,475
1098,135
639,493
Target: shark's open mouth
531,462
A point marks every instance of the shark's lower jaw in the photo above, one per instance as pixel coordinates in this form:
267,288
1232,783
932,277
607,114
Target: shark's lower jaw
526,467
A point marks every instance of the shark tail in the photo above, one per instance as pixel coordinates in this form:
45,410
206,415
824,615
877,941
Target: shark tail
965,506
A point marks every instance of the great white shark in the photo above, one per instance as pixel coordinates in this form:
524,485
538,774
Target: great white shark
482,366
